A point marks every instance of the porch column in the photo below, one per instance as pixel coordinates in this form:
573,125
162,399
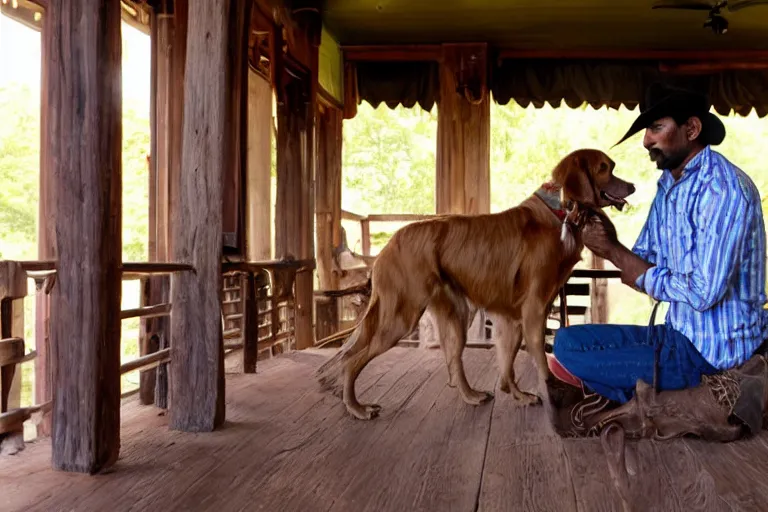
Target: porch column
197,361
463,182
83,44
258,177
328,215
154,332
294,209
46,249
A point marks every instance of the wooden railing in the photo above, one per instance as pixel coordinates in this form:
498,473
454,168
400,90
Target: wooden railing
365,223
267,305
13,291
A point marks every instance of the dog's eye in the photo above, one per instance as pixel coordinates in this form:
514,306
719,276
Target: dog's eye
603,167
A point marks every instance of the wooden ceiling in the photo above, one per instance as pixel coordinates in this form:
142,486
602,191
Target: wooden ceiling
541,24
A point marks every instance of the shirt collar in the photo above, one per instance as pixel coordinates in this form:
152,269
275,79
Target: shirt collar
666,181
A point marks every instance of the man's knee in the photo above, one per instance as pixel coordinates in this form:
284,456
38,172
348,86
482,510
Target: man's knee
566,341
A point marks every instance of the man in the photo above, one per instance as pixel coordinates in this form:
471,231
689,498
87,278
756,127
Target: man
702,250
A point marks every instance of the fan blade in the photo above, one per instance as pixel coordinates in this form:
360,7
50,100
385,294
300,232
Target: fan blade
735,6
693,6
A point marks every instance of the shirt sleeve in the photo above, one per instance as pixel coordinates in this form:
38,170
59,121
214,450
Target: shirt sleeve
645,246
720,226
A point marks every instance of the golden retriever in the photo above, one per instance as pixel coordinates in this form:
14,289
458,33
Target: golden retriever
511,263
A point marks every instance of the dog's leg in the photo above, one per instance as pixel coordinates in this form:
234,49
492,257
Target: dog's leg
353,369
451,316
508,339
377,336
534,323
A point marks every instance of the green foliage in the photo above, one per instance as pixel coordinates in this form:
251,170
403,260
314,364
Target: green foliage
389,160
136,144
19,164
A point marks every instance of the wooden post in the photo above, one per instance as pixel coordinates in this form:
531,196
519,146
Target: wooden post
463,131
84,138
45,245
251,325
258,180
297,107
365,236
598,299
235,138
157,289
328,216
294,199
13,289
197,368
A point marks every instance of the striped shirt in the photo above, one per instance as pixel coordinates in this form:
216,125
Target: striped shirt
706,237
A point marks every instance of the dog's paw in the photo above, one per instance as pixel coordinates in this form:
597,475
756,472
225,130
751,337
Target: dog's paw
525,399
365,412
478,397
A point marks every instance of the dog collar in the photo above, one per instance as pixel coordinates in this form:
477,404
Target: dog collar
549,192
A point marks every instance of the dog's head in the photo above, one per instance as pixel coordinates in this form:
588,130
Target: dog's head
587,179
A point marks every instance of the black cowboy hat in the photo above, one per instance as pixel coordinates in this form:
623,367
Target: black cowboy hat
666,101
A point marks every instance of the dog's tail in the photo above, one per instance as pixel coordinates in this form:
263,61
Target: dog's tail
330,374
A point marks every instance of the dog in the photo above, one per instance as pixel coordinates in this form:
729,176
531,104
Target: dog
511,263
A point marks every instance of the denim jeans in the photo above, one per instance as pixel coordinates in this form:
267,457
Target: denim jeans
610,358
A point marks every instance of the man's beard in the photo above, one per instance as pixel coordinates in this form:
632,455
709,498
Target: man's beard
667,161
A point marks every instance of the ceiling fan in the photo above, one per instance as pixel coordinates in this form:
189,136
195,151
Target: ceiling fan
715,20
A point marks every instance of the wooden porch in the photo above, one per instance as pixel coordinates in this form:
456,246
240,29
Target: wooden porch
286,446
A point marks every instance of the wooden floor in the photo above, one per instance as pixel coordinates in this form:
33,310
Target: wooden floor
288,447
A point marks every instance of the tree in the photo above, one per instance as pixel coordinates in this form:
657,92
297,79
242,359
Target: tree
19,164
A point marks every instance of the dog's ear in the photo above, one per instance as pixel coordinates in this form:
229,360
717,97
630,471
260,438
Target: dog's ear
573,174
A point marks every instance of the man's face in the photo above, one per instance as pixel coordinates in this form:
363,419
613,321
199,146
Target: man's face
667,143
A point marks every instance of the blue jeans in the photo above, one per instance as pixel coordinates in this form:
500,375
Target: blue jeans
610,358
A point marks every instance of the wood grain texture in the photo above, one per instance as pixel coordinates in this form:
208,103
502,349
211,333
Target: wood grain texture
197,372
84,135
258,200
236,126
163,98
294,209
463,177
287,446
526,467
328,195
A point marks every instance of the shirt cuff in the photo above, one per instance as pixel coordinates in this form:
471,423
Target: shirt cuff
649,281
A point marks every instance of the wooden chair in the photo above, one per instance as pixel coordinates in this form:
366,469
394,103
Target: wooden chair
561,312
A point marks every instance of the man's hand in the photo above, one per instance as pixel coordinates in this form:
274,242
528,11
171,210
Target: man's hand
599,236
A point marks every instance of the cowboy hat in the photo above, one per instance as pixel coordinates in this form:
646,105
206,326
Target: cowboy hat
666,101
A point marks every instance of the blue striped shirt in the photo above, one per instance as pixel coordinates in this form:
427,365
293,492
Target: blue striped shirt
706,237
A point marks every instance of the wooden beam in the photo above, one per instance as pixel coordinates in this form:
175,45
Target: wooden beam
707,67
45,245
399,52
294,209
258,177
328,194
251,325
598,293
197,374
235,139
328,216
156,289
670,55
463,131
399,217
84,138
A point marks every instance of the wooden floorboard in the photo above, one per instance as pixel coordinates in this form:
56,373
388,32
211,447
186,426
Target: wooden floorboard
526,467
288,446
